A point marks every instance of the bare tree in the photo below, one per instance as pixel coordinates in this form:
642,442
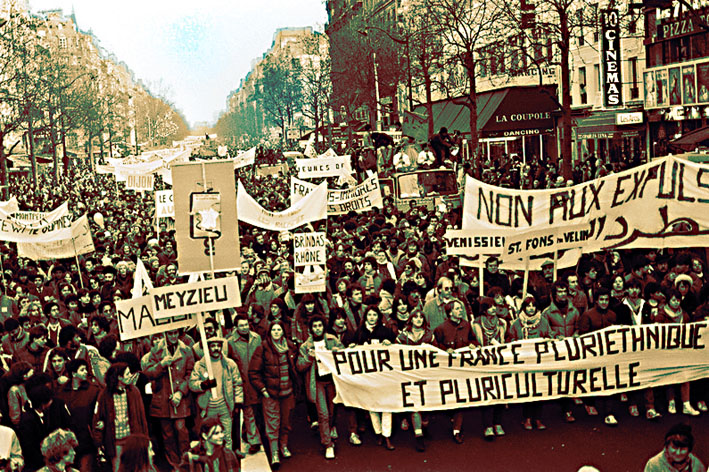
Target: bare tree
546,37
315,79
279,90
464,27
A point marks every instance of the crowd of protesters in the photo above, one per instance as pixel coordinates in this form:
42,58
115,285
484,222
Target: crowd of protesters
72,392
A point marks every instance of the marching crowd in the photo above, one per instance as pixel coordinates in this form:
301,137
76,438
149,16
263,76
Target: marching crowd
72,393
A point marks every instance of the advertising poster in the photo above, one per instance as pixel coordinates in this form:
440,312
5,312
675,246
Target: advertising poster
689,88
703,82
674,81
650,90
661,87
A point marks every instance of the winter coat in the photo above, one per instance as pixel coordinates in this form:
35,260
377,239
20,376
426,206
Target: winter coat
232,390
161,406
104,421
561,325
81,404
308,365
264,368
242,352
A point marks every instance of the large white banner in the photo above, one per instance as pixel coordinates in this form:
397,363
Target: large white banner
33,227
311,208
9,207
664,203
617,359
323,167
363,197
164,204
80,243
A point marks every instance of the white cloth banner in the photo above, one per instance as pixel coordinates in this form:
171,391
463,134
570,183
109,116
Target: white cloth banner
363,197
323,167
617,359
664,203
246,158
311,208
164,204
9,207
34,227
80,243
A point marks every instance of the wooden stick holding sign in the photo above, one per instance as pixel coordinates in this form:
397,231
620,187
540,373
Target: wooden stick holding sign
556,258
481,275
169,373
525,282
78,266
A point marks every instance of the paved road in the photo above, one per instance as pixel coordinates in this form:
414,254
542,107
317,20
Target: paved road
562,447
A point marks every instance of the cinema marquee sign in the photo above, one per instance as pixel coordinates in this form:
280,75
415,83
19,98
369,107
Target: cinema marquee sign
610,59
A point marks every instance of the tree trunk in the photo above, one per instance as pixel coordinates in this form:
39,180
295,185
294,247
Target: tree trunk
91,151
53,140
30,141
427,87
565,153
3,168
473,107
65,155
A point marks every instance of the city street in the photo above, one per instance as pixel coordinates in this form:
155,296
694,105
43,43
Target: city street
562,447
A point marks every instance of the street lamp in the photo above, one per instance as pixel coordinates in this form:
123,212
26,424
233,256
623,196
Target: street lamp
376,82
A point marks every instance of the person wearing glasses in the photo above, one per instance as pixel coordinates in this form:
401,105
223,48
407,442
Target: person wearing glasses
434,310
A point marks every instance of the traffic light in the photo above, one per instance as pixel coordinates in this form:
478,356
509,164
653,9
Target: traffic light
528,18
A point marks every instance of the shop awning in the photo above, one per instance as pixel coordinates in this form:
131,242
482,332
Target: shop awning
692,140
512,111
602,125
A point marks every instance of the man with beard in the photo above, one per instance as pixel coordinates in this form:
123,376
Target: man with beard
493,277
16,337
354,308
541,284
435,309
595,319
35,350
168,365
108,287
242,344
222,395
576,296
349,271
563,318
320,389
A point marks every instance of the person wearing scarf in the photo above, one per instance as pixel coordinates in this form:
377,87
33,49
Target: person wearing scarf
414,333
490,329
373,331
530,324
672,312
210,455
272,373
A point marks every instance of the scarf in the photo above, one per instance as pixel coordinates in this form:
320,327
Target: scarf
529,322
281,346
370,327
491,329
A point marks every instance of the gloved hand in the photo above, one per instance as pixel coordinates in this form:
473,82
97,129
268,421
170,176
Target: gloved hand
207,384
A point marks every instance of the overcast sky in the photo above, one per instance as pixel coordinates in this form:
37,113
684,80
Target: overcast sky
197,50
